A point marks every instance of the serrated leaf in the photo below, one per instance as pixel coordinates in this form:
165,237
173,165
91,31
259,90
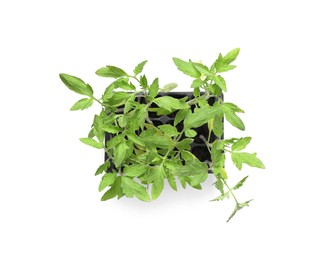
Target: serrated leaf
190,133
187,68
240,183
231,56
181,114
171,182
200,117
157,178
102,168
184,144
191,168
111,72
107,180
135,139
144,82
233,107
169,87
247,158
117,98
92,142
204,70
199,178
218,126
241,143
225,67
220,82
197,83
169,130
139,68
232,118
158,141
120,154
114,191
82,104
135,170
123,84
154,88
76,84
170,103
132,187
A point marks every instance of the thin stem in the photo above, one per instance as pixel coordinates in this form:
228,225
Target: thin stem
231,192
206,142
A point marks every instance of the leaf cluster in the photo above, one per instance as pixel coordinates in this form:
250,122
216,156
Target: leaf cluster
142,156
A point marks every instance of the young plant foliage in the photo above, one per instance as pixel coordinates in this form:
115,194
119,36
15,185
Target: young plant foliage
142,157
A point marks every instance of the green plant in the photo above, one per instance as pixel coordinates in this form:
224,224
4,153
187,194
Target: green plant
144,158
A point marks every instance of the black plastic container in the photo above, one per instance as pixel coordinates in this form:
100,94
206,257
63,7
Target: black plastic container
198,147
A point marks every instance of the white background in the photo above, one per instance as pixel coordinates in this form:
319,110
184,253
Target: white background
50,207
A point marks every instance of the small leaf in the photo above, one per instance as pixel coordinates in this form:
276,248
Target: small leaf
231,56
111,72
226,67
170,103
240,183
247,158
157,178
144,82
158,141
123,84
190,133
218,126
169,87
114,191
184,144
187,68
241,143
202,69
135,139
107,180
132,187
232,118
171,182
102,168
117,99
197,83
139,68
92,142
135,170
153,90
82,104
200,117
199,178
220,82
180,116
76,84
169,130
119,154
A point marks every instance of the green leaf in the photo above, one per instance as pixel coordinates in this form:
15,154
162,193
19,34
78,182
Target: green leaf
144,82
170,103
169,87
114,191
102,168
107,180
132,187
180,115
199,178
119,154
220,82
187,68
135,170
135,139
82,104
123,84
76,84
184,144
157,178
240,183
153,90
200,117
202,69
92,142
171,182
231,56
158,141
197,83
247,158
225,68
239,207
169,130
241,143
111,72
190,133
117,99
218,126
192,167
233,107
232,118
139,68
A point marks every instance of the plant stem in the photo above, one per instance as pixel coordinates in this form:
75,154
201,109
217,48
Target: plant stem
231,192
